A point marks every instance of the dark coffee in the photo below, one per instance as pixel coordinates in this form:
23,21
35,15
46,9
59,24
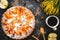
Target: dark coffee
52,21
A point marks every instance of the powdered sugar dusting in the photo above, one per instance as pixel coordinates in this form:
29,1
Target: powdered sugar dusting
18,27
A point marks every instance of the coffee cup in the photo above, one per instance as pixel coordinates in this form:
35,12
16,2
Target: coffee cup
52,22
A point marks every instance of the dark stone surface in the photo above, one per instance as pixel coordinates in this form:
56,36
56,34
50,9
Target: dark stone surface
32,5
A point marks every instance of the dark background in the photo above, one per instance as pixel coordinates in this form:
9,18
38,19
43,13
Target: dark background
32,5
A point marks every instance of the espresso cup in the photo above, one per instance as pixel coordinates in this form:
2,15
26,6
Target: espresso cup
55,19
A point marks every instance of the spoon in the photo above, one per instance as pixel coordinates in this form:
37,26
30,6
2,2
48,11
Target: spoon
42,31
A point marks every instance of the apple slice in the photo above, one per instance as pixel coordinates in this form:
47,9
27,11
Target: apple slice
3,4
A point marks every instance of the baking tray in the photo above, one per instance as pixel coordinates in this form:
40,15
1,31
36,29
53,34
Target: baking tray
40,22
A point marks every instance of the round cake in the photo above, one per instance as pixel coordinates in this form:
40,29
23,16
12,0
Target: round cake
18,22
